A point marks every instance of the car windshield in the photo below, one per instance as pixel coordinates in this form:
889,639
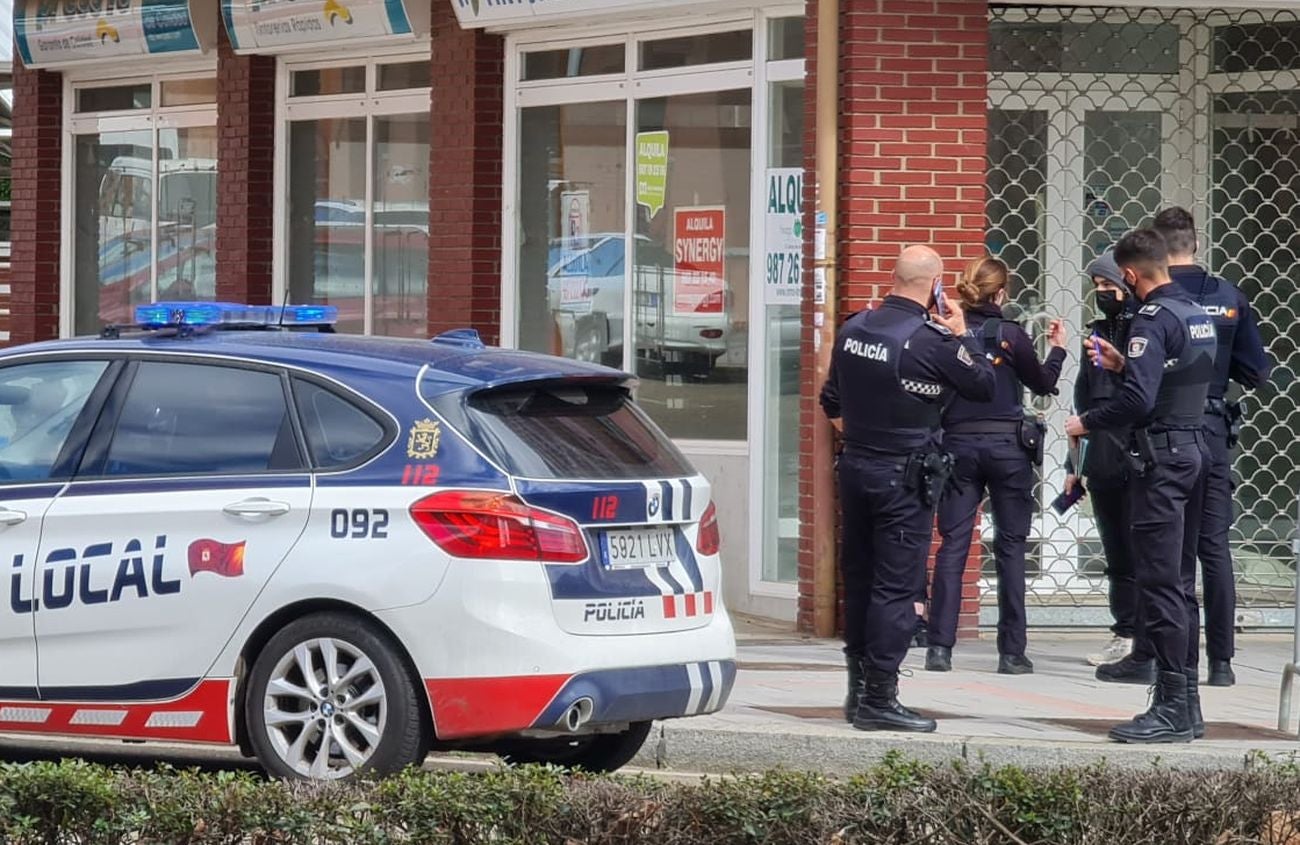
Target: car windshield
569,430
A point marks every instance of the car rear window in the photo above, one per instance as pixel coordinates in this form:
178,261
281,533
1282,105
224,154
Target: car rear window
338,432
571,431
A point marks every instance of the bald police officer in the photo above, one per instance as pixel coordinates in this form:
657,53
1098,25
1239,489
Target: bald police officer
892,370
1168,365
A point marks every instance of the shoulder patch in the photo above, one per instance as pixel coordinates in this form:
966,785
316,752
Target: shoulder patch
941,329
1137,346
1149,310
964,356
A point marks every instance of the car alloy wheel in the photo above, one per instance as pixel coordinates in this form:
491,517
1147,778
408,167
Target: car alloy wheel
325,708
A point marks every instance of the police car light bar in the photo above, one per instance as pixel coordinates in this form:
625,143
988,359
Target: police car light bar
162,314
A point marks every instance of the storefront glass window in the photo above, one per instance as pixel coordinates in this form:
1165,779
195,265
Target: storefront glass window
690,277
113,226
781,314
327,216
187,213
574,61
572,247
357,210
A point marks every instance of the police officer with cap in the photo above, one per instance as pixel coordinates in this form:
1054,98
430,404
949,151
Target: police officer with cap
1168,366
892,370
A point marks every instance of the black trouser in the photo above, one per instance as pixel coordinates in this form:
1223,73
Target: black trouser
1110,508
885,536
1220,588
1165,514
995,462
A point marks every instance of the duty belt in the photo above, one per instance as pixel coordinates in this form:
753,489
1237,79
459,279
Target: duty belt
983,427
1175,437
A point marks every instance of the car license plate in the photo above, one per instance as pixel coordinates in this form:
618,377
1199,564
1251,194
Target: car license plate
637,547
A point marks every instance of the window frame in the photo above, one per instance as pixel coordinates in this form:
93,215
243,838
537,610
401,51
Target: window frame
369,104
152,120
95,455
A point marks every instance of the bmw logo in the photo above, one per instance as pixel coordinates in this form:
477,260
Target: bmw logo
653,506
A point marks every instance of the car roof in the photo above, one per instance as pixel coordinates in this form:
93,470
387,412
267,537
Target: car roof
453,363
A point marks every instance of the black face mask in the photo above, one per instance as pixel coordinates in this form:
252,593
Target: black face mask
1109,303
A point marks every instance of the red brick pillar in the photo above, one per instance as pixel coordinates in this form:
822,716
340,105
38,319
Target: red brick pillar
913,92
465,177
245,174
38,151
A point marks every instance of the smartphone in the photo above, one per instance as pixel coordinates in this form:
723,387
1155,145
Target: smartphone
1067,500
940,304
1097,346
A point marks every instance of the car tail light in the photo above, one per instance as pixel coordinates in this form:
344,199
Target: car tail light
711,334
709,540
482,524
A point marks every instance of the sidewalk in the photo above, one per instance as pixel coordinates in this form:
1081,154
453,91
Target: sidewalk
785,711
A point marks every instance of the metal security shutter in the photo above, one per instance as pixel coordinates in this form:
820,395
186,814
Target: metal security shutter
1098,118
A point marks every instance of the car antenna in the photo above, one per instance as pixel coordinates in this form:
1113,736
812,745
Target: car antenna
284,306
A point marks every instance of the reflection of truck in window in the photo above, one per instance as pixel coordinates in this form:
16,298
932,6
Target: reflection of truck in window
186,230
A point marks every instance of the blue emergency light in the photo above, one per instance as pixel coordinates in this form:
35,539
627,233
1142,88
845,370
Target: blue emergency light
162,314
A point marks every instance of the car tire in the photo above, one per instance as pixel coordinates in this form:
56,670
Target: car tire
592,752
370,714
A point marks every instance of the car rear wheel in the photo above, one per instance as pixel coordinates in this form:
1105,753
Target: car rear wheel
592,752
329,696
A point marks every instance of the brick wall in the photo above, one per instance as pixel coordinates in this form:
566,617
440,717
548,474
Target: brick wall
245,168
809,412
37,152
913,102
465,178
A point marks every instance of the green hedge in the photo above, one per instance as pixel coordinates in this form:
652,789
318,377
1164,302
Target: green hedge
895,802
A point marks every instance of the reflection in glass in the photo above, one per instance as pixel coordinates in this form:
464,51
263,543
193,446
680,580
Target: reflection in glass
573,62
571,213
326,216
690,282
781,393
401,225
187,213
687,50
113,227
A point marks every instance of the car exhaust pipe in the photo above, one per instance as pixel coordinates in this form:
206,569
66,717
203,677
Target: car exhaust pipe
578,714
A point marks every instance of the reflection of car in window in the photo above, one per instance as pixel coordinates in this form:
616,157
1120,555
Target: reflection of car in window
586,286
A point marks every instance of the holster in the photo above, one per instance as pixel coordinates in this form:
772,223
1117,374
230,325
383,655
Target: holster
930,474
1234,415
1141,456
1032,433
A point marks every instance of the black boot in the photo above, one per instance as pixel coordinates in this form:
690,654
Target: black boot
1167,719
1221,674
1015,664
879,710
1128,671
856,686
1194,705
938,658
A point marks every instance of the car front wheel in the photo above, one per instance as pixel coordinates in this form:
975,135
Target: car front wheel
329,696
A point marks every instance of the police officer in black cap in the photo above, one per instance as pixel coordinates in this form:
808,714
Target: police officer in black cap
892,370
1168,365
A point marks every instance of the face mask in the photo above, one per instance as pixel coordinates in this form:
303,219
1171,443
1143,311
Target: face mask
1110,304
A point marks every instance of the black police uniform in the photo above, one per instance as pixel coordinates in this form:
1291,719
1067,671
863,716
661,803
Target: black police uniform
985,441
892,370
1242,359
1169,364
1105,466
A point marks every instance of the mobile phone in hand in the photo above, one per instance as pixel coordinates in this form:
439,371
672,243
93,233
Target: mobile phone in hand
1068,499
940,303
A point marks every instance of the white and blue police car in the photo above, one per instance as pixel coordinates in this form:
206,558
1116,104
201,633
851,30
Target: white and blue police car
229,524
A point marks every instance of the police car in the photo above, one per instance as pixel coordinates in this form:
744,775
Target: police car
228,524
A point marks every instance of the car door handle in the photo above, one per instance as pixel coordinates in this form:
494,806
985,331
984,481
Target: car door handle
257,507
8,517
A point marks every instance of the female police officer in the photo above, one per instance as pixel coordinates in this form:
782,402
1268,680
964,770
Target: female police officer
991,441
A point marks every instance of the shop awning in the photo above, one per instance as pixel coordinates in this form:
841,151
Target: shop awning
53,33
275,26
510,13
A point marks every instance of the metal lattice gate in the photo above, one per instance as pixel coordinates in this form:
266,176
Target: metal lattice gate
1098,118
